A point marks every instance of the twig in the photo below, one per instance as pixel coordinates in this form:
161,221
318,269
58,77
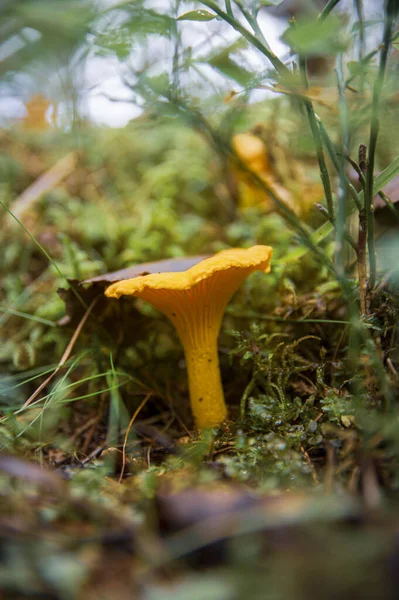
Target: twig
44,184
65,356
132,420
313,471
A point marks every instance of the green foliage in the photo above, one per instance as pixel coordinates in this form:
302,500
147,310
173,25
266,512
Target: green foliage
197,15
317,37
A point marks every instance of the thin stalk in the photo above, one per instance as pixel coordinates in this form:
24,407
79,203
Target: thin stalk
24,315
327,9
362,239
253,23
334,158
360,18
362,40
318,143
342,187
276,62
391,11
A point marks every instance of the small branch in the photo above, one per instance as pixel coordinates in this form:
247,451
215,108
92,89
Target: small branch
45,183
65,356
132,420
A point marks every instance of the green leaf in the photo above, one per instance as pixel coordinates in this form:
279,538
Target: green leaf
317,37
142,22
231,69
197,15
159,83
118,41
324,231
223,63
270,2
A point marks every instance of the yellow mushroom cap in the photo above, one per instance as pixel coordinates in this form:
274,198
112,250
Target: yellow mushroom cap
201,291
256,258
194,300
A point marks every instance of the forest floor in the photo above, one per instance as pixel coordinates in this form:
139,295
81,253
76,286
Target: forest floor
107,490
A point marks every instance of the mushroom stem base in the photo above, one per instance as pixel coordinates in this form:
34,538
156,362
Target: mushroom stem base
206,392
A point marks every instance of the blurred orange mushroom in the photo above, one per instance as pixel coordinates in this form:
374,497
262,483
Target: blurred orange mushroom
297,192
36,113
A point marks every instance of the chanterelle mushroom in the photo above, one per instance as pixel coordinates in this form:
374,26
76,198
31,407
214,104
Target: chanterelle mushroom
194,300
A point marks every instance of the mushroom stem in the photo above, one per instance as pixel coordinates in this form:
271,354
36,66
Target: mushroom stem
205,385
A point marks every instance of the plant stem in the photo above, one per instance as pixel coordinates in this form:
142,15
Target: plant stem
276,62
327,9
333,155
362,241
318,143
253,23
360,16
362,263
342,187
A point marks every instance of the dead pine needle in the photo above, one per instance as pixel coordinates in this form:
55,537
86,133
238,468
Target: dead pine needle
65,356
132,420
